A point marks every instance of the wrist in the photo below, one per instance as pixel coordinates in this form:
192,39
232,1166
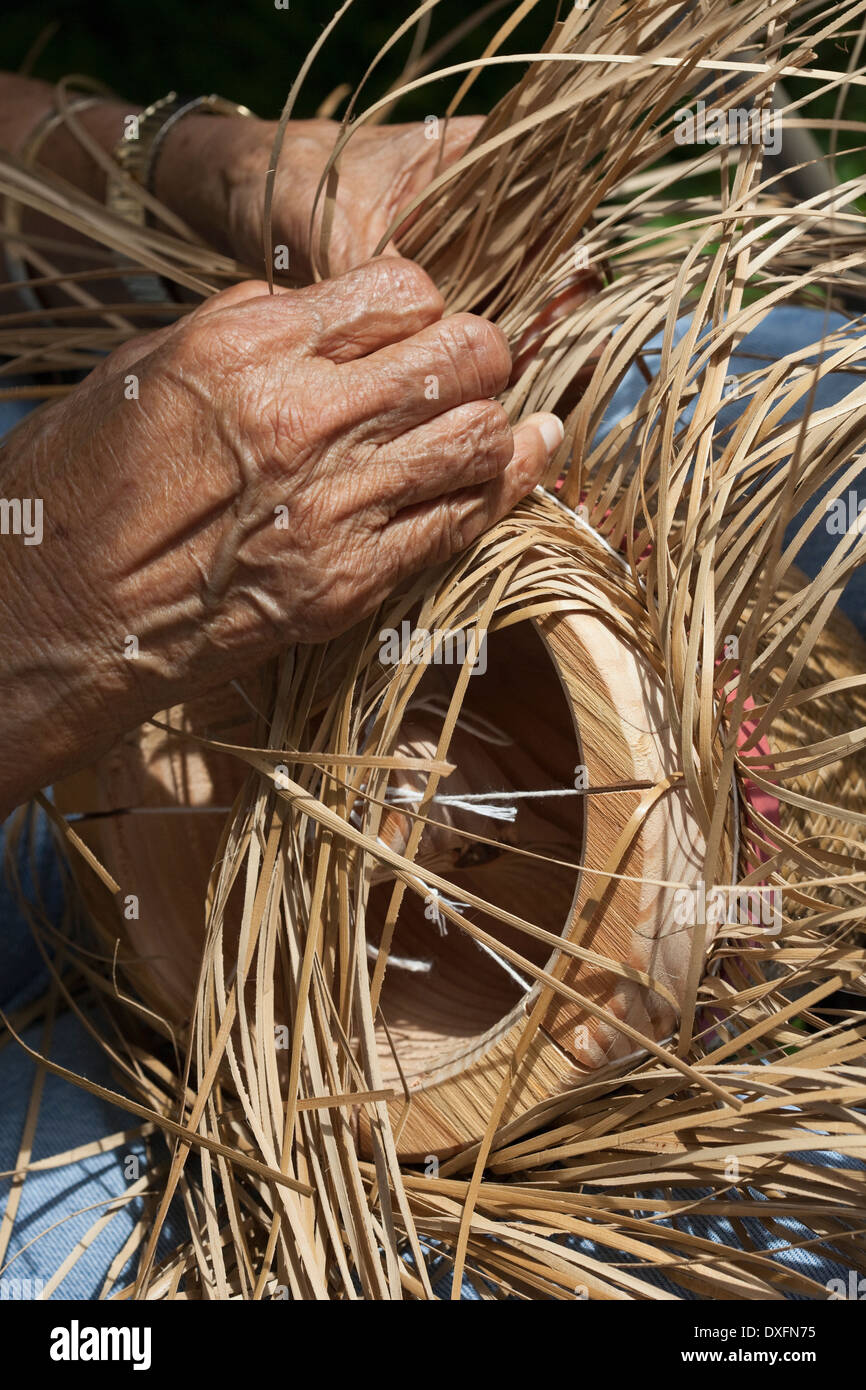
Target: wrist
209,168
53,702
63,153
212,172
62,698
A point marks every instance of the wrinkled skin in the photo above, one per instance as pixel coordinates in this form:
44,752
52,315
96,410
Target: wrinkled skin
215,175
160,512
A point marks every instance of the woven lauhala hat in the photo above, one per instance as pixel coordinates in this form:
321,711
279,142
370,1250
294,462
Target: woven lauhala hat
526,970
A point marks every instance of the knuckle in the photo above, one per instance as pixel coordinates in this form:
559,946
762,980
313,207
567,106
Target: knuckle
195,340
479,349
405,280
247,289
490,431
214,344
239,294
450,531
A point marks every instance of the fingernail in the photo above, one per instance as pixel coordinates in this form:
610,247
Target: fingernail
552,430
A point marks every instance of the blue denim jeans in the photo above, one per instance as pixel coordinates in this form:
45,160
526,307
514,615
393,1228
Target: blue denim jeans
58,1205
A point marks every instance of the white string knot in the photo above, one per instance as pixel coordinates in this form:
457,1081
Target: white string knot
433,909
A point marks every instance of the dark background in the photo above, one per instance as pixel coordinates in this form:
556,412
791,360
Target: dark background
244,49
251,51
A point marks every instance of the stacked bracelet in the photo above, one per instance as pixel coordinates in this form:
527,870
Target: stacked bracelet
212,105
137,156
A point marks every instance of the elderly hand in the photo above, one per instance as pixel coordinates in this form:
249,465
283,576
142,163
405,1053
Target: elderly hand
264,471
213,173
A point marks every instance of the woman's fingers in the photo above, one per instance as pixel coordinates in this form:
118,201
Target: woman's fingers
398,362
459,359
378,304
461,448
431,532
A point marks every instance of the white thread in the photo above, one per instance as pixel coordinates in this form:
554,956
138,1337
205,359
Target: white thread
401,962
433,913
398,796
479,802
506,966
508,796
585,526
404,796
433,899
467,803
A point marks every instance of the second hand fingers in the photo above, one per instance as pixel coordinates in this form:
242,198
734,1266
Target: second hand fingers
431,532
462,448
460,359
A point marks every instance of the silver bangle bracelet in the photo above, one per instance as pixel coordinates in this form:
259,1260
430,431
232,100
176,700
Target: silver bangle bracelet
212,105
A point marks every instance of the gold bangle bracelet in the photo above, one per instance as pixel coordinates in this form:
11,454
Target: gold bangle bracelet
136,157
